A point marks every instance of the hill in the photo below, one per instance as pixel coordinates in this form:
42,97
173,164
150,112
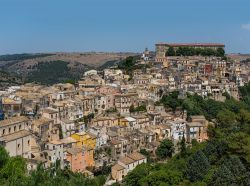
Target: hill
8,79
46,68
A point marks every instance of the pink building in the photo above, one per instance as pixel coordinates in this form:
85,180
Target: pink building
75,159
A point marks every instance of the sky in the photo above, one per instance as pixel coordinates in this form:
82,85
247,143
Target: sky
30,26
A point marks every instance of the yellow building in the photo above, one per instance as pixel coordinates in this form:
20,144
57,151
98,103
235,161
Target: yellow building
105,121
123,122
85,139
87,142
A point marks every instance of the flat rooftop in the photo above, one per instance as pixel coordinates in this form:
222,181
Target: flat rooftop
192,44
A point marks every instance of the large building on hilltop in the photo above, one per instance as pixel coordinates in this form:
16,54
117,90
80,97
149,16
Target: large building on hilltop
161,48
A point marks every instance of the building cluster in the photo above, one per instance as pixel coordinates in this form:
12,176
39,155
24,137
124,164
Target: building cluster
108,117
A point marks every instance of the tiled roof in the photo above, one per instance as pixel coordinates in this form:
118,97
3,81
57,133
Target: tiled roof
126,160
41,121
74,150
136,156
16,135
13,120
118,167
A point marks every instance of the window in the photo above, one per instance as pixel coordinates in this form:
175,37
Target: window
18,146
3,131
14,128
28,142
9,130
20,126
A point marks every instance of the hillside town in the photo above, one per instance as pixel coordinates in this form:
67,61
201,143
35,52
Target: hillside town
108,117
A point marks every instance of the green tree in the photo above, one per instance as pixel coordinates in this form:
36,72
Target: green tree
223,177
132,108
239,144
170,51
165,149
146,153
197,166
243,117
183,147
226,118
4,157
220,52
231,172
162,177
133,177
14,171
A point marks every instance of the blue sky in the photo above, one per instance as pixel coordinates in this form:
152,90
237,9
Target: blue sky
121,25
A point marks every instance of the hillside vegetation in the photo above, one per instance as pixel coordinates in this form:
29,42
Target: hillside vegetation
7,79
55,68
53,72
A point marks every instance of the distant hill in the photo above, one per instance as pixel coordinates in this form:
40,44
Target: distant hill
239,57
57,67
8,79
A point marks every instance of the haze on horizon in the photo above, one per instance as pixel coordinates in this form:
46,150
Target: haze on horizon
30,26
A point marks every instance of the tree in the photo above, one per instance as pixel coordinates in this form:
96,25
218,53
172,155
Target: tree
220,52
231,172
146,153
14,171
243,117
162,177
183,147
226,118
197,166
170,51
4,156
223,177
171,100
239,144
165,149
132,108
133,177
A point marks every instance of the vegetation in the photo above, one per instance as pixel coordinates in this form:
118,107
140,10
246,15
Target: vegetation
13,172
129,65
140,108
22,56
196,105
52,72
190,51
166,149
108,64
9,79
221,161
171,100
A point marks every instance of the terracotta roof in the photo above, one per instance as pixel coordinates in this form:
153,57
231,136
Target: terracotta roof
195,124
13,120
68,140
74,150
16,135
118,167
56,142
126,160
41,121
136,156
50,110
